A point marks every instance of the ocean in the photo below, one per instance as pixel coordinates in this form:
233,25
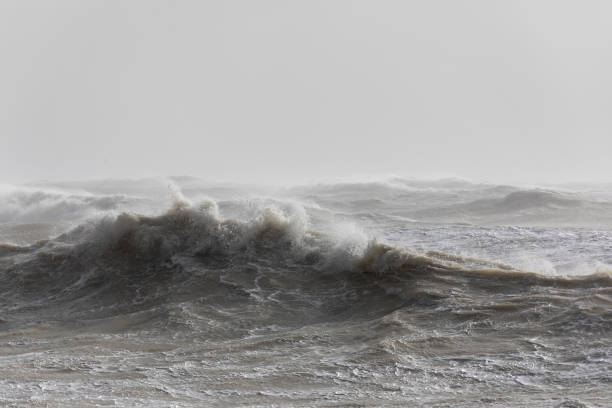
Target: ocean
390,292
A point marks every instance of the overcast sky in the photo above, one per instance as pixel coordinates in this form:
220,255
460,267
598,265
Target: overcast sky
275,91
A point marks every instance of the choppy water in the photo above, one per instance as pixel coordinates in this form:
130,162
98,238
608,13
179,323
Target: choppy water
397,292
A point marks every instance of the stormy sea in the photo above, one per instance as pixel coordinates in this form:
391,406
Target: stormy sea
181,292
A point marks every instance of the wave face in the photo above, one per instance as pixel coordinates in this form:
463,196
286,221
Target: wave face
310,296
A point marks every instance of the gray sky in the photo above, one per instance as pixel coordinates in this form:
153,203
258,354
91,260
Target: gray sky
274,91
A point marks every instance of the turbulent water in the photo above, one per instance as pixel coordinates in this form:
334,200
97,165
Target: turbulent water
396,292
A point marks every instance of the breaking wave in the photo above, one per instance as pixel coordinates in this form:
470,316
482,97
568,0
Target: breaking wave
278,232
129,262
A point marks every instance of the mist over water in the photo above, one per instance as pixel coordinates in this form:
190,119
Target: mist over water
180,292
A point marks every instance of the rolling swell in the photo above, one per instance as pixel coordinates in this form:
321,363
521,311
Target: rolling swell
524,207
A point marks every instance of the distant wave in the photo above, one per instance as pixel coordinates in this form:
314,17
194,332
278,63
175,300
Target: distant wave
524,207
441,201
31,205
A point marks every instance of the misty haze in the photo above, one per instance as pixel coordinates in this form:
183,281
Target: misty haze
305,203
